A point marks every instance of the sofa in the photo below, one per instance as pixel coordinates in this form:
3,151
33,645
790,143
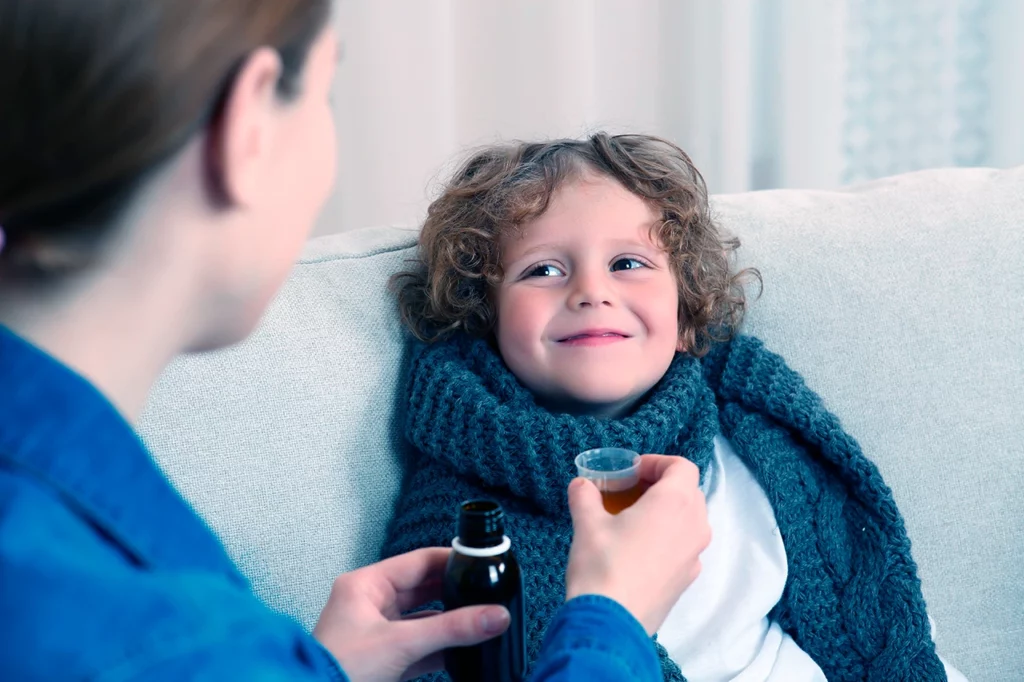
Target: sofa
901,302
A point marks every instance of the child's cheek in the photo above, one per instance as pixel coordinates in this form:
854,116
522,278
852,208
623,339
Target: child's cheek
524,321
523,318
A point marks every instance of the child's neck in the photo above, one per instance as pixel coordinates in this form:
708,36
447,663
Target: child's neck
577,408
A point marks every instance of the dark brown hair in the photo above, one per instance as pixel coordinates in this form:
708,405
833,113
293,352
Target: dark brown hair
96,94
500,188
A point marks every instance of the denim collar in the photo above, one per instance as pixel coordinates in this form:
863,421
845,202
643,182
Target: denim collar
57,428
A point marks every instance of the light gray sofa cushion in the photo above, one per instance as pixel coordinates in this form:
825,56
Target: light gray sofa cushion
901,302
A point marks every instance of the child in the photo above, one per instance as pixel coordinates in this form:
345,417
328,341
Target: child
578,294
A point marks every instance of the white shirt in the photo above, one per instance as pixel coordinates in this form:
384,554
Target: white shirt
719,630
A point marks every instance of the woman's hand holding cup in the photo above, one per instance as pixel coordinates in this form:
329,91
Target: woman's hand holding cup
648,554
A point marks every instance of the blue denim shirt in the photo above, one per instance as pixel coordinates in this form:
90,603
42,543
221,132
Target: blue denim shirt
107,574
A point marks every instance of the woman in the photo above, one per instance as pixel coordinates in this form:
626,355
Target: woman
161,164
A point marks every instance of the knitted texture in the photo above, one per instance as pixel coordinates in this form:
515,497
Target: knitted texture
852,599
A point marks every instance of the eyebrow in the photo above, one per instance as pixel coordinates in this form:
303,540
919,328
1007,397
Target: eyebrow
556,246
539,247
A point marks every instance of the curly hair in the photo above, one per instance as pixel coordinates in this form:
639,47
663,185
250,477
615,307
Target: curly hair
500,188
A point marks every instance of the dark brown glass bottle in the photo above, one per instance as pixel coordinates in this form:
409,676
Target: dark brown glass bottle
483,570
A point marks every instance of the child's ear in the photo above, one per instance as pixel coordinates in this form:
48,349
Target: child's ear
681,345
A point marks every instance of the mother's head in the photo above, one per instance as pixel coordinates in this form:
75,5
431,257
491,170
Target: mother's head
178,149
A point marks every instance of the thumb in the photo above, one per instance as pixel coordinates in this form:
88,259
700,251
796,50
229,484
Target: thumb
420,637
584,502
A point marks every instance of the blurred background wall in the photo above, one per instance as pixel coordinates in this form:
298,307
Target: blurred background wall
762,93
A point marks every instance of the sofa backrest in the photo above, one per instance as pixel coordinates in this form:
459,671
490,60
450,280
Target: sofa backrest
901,302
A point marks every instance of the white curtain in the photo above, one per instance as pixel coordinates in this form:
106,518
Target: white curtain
762,93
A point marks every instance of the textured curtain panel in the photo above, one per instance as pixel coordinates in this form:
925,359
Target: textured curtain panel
924,84
762,93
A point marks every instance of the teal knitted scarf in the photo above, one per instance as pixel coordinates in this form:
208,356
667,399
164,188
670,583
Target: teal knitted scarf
852,600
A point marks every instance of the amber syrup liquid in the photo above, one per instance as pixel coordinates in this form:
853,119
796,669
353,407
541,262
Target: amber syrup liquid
616,500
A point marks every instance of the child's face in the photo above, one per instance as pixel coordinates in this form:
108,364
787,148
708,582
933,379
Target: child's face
588,309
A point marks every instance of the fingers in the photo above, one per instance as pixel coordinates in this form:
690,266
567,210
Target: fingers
431,664
584,502
422,614
418,596
422,637
404,581
412,569
654,468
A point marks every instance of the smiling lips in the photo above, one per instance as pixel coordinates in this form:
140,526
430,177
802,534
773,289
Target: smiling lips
594,337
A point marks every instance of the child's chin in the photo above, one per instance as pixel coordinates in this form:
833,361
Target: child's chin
600,403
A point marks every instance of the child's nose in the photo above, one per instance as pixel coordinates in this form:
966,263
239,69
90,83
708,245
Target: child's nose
590,290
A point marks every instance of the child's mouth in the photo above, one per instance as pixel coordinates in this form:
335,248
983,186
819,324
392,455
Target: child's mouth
596,338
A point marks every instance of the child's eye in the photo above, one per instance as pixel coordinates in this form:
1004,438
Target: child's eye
628,264
545,270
